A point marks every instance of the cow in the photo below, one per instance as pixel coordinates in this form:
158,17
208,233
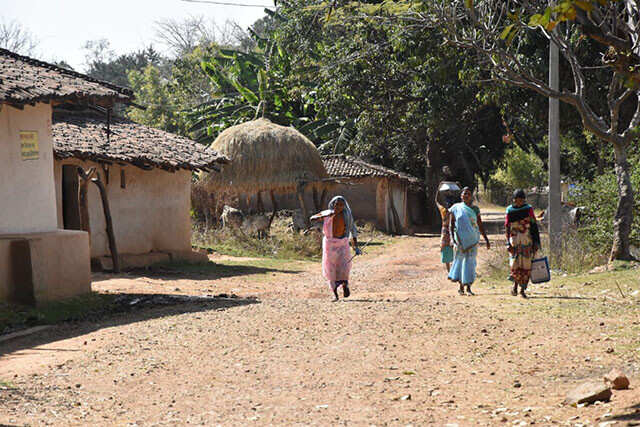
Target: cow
570,216
257,224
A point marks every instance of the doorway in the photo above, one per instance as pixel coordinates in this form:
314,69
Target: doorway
70,204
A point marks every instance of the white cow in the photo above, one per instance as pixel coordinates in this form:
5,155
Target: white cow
570,216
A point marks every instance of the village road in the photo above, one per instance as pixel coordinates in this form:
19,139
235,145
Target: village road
404,349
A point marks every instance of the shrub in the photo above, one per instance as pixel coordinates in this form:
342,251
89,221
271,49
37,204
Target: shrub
600,199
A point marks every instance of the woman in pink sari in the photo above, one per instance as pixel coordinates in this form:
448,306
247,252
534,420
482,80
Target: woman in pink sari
338,226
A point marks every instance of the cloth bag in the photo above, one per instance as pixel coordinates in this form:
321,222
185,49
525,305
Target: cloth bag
540,272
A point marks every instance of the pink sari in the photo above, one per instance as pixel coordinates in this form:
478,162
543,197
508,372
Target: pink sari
336,256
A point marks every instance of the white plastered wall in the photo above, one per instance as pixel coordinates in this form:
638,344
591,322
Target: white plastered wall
151,214
27,196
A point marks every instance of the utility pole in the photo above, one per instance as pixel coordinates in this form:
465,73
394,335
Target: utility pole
555,191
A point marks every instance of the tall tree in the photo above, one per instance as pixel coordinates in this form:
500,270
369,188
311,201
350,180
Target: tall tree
402,89
494,30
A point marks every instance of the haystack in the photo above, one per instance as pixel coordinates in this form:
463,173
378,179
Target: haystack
265,157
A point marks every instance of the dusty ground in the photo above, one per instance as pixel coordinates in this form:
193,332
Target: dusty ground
404,349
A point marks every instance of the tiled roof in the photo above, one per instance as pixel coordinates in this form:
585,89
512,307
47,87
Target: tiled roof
85,137
25,80
342,166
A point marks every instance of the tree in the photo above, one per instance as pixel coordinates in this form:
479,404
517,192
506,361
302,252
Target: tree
494,30
181,37
103,64
168,95
16,38
403,91
248,85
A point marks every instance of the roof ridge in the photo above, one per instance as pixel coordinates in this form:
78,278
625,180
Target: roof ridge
73,73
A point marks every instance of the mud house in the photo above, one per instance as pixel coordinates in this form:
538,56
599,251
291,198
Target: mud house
147,176
393,200
39,261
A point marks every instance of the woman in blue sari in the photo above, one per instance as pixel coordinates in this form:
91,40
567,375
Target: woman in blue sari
465,226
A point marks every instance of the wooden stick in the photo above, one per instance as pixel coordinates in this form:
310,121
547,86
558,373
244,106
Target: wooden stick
109,222
305,214
620,289
259,204
83,200
274,205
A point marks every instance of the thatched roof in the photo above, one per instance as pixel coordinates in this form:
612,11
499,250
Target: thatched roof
342,166
264,156
84,137
25,80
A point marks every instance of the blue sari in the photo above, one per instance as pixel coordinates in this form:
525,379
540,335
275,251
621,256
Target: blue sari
466,238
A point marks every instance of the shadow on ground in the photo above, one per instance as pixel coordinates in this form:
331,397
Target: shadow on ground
208,271
632,415
123,309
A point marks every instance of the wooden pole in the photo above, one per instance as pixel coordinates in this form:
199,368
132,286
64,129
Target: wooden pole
300,192
109,222
323,198
259,203
83,199
316,201
274,205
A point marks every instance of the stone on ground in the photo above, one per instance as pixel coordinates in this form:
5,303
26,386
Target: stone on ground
617,380
588,392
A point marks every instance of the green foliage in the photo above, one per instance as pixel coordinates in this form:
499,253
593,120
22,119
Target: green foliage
104,64
167,93
519,169
399,86
599,196
162,108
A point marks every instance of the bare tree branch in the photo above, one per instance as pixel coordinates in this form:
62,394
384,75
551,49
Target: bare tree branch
16,38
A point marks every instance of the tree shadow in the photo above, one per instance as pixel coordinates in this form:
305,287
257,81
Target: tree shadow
123,309
204,271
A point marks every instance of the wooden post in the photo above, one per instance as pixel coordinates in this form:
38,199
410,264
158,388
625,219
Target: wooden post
305,213
83,199
316,201
274,205
109,222
323,198
259,203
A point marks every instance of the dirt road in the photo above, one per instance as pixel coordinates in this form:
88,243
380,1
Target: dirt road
404,349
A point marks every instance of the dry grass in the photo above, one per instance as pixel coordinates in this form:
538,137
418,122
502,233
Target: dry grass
264,156
282,243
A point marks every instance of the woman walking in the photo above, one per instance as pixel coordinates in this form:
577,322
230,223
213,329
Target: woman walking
466,226
444,201
523,241
338,225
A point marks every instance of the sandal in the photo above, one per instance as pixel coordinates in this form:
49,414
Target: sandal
469,290
461,290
